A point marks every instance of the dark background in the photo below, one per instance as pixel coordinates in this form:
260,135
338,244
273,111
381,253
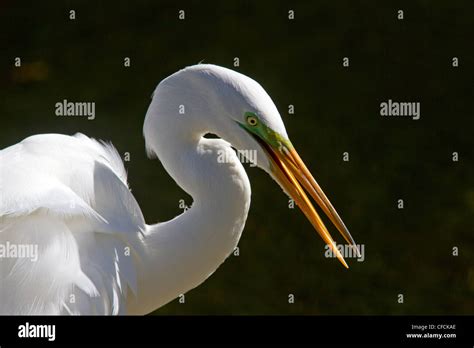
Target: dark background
298,62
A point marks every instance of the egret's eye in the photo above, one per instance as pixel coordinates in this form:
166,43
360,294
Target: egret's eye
252,120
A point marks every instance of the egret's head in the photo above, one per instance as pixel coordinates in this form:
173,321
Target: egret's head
237,108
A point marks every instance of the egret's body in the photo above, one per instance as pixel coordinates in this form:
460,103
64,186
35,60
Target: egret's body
96,255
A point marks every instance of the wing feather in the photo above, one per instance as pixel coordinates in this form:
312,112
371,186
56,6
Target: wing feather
68,197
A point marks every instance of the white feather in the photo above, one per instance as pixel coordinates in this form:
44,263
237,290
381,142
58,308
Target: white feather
68,196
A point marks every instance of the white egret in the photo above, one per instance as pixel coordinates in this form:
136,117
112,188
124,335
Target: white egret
68,196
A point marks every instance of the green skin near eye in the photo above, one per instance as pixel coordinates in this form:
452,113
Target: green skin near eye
275,139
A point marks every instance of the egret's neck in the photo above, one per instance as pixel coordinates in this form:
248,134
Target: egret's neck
181,253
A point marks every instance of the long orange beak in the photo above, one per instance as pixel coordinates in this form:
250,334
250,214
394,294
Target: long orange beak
291,173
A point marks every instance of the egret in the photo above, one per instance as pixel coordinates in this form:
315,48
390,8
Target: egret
69,197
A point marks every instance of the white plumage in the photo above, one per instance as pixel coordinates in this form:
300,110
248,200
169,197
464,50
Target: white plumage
69,196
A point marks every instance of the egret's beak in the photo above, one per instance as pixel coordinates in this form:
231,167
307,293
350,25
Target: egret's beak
291,173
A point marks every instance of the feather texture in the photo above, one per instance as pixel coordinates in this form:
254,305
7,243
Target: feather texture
82,219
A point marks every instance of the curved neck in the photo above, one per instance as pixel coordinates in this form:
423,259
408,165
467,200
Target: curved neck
181,253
